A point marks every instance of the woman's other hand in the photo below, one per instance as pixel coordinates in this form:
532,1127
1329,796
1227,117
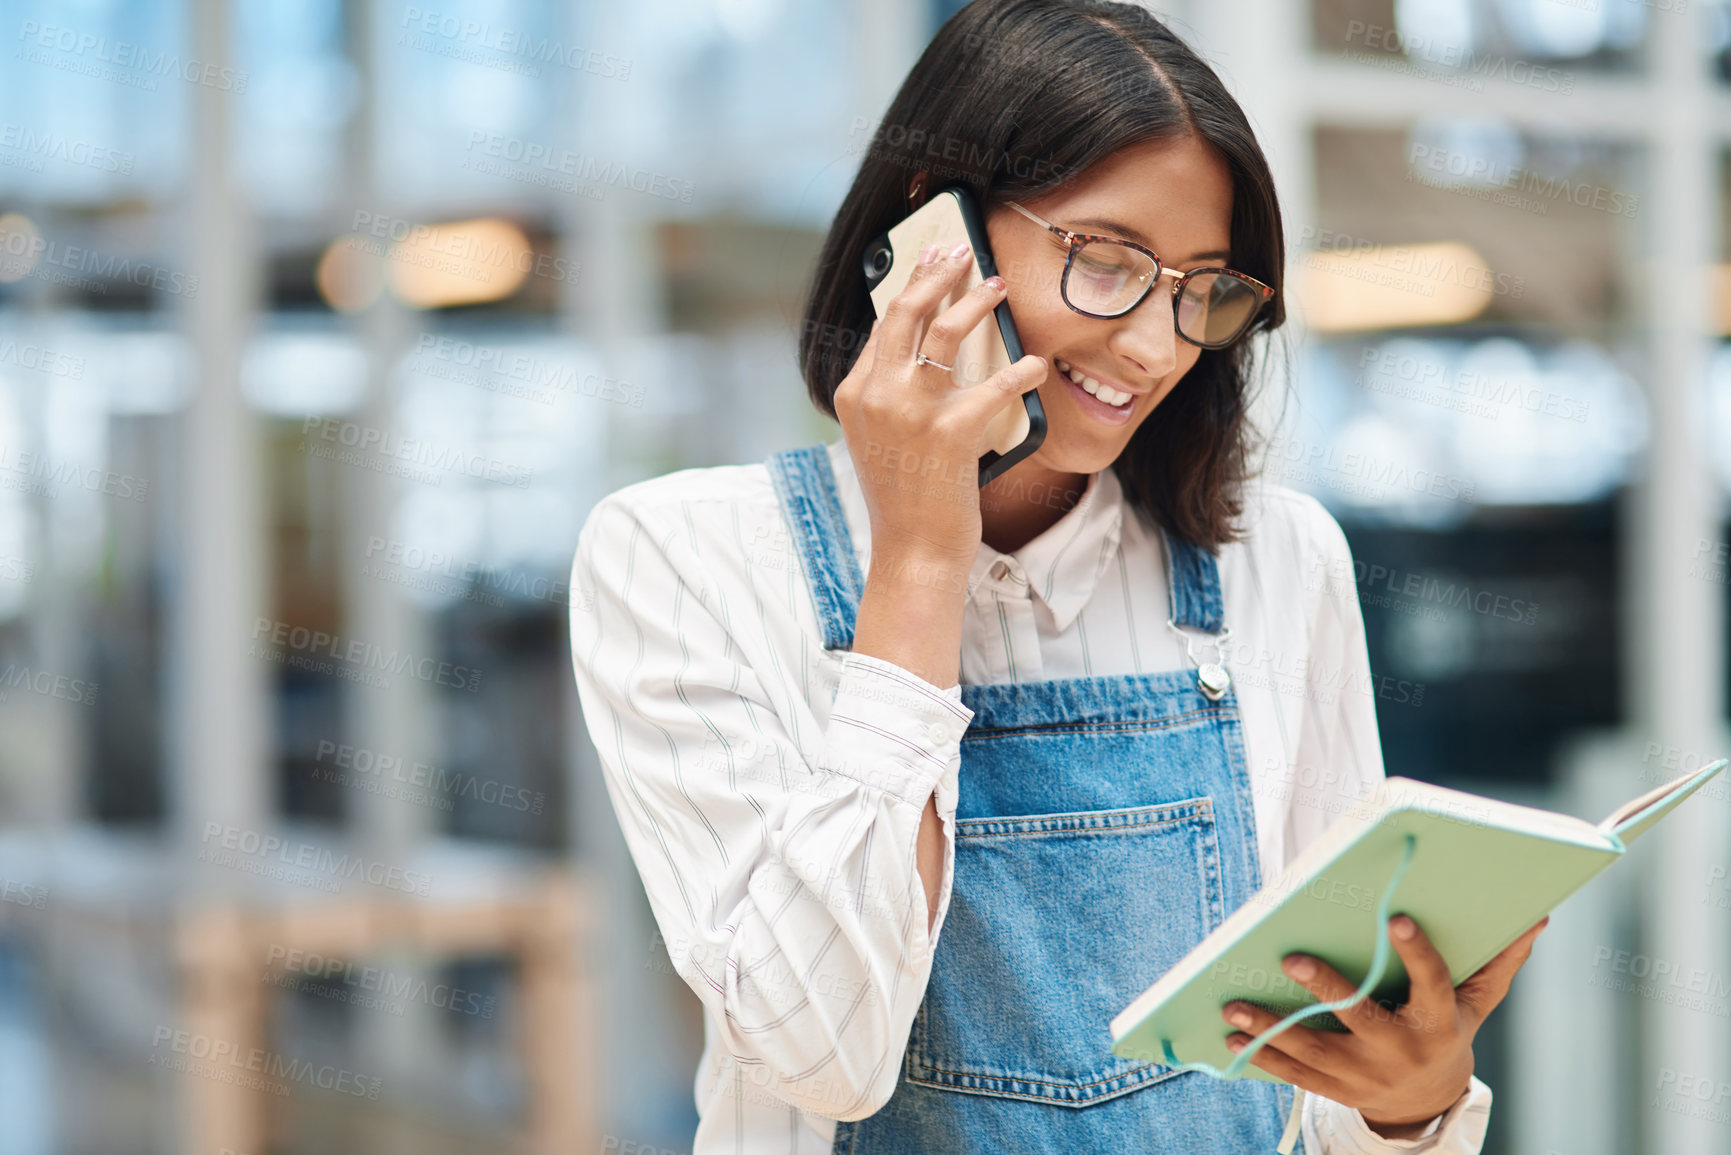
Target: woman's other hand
1399,1068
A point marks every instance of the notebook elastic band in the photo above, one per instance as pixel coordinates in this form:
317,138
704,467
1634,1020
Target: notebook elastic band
1379,963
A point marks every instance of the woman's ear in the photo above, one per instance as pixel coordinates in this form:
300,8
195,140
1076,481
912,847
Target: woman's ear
917,190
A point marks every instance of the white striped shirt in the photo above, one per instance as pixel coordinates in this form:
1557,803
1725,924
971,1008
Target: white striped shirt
757,777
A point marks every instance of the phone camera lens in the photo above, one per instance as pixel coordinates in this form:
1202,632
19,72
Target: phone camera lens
877,261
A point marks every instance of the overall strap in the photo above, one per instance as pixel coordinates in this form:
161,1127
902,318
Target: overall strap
805,483
1194,584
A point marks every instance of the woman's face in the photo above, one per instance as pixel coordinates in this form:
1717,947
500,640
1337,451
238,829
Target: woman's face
1175,197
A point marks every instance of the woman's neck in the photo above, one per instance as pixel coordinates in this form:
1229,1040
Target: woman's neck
1018,506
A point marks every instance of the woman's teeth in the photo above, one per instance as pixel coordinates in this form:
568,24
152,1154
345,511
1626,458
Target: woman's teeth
1105,393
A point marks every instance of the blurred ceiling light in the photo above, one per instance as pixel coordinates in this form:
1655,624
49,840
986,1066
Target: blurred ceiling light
349,276
460,263
1436,29
1386,286
1550,28
20,247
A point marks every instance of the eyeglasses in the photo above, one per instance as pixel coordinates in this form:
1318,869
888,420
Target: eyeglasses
1107,277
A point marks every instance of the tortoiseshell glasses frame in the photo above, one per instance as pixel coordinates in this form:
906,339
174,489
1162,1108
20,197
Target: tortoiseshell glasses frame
1219,305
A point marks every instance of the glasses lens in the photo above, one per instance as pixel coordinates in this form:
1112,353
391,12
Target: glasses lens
1107,279
1216,307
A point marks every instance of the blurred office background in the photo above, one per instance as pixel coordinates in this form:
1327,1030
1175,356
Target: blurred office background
323,324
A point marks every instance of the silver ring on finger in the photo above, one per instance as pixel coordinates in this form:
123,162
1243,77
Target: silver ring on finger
922,359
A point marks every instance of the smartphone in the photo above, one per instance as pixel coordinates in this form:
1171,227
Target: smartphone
949,218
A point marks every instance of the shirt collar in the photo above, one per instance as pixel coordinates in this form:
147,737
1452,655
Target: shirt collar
1063,565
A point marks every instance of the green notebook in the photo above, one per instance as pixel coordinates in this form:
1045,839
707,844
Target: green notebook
1481,873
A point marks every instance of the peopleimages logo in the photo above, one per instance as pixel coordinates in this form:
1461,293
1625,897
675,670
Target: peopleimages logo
89,52
223,843
1371,579
193,1053
387,445
1663,980
24,253
589,169
40,359
549,376
359,654
47,683
1463,388
68,150
1489,174
24,894
947,155
470,255
1697,1096
1420,268
1408,50
390,559
1364,474
387,984
29,472
463,34
358,764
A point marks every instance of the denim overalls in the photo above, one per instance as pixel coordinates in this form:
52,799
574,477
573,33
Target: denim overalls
1104,826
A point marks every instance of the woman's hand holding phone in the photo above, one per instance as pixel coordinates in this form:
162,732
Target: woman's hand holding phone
917,437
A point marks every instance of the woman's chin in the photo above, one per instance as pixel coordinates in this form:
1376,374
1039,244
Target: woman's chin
1065,453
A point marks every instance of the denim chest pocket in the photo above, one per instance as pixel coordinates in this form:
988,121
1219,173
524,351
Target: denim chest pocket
1056,923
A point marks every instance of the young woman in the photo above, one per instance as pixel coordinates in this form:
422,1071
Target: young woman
927,782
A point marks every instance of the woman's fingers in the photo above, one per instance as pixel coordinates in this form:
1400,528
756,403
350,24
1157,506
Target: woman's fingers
904,318
1430,1002
944,336
915,436
1481,991
1301,1055
928,287
1366,1016
847,390
977,406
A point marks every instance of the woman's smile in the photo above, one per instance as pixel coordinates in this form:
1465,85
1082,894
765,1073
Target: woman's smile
1102,401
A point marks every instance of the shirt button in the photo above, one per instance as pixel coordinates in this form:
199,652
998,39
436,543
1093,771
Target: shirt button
999,569
939,732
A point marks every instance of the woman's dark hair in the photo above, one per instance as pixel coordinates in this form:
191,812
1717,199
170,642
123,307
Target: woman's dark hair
1014,98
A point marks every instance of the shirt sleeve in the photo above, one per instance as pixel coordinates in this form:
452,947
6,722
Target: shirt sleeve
1335,1129
786,889
1339,762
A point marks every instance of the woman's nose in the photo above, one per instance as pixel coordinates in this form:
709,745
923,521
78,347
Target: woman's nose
1146,335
